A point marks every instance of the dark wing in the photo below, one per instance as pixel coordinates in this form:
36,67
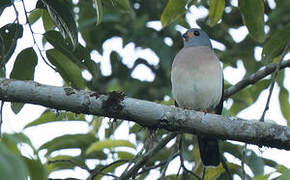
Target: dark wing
219,108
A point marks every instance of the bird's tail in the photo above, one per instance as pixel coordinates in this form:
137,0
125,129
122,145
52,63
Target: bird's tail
209,151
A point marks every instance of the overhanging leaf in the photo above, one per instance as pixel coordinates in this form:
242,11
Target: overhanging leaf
23,69
69,71
81,141
63,17
253,17
173,10
108,143
216,11
275,44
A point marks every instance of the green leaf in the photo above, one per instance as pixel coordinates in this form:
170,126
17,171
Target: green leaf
34,15
81,141
173,10
67,69
275,44
36,170
99,10
255,163
284,103
125,155
63,162
108,143
63,17
216,11
9,34
24,65
12,166
4,4
253,17
47,21
285,175
48,116
23,69
213,173
59,43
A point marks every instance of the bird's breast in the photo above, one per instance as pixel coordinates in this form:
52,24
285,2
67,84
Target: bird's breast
196,78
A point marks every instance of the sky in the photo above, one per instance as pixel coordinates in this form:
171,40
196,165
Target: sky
43,74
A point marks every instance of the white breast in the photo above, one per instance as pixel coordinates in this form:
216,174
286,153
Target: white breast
196,78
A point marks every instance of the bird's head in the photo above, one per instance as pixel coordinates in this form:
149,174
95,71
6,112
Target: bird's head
196,37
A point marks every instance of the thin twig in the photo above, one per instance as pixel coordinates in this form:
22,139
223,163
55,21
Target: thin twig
203,173
182,159
34,40
255,77
226,167
146,169
143,159
273,81
99,171
243,162
1,117
177,174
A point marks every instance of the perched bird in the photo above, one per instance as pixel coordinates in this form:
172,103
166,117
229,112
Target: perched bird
197,84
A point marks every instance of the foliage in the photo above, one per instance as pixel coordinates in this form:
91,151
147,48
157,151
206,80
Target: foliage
95,22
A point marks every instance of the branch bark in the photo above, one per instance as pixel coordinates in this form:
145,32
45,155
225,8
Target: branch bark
150,114
253,78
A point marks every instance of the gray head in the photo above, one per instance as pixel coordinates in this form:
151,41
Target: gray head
196,37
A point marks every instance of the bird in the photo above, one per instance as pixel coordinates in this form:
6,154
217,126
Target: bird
197,84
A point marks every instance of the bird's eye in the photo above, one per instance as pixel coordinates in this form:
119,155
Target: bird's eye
196,33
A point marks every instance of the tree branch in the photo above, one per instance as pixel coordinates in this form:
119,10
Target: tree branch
253,78
150,114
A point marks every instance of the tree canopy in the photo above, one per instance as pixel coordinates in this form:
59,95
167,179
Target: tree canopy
73,31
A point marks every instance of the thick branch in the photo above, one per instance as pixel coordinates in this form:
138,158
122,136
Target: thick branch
253,78
146,113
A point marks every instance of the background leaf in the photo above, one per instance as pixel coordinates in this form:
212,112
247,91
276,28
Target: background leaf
253,17
275,44
173,10
12,166
216,11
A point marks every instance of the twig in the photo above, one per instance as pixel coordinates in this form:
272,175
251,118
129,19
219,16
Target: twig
134,159
243,162
203,173
145,169
273,81
143,159
177,174
255,77
99,171
226,167
172,156
34,41
182,160
1,117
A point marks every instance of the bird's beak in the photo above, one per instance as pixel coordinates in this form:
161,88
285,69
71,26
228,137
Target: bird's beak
188,35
